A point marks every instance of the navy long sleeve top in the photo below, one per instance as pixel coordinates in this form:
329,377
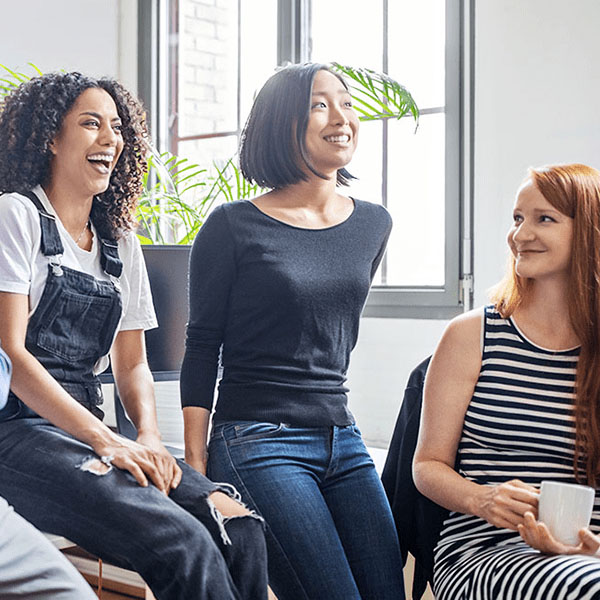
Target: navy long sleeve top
280,306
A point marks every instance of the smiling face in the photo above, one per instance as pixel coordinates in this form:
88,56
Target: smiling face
89,143
332,130
541,237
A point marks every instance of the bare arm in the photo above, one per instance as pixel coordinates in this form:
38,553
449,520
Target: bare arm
196,420
32,383
136,390
449,386
36,387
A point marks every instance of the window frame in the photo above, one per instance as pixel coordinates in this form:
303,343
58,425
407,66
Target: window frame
293,36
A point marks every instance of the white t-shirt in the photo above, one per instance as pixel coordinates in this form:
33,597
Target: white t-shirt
23,267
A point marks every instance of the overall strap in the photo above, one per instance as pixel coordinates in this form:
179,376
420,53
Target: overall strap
109,257
51,243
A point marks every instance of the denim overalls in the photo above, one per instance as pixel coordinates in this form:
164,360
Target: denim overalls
179,544
74,322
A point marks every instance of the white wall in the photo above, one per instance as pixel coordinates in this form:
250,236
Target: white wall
537,84
537,91
96,38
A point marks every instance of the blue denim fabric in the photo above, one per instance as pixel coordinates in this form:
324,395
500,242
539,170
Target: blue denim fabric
330,531
174,542
4,378
178,543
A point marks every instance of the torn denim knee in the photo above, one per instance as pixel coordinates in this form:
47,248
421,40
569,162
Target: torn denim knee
97,465
221,519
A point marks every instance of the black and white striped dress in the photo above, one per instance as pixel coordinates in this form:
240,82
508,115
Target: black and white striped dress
519,424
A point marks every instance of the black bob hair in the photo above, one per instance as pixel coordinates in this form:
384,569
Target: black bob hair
32,115
275,132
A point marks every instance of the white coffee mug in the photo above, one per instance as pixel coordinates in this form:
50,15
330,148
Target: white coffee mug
565,508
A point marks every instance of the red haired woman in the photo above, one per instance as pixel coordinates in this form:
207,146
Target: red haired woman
500,392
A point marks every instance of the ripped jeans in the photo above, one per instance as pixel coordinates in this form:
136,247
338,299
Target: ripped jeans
180,545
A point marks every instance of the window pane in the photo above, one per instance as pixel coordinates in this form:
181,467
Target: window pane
366,164
208,67
347,32
417,48
416,193
258,49
207,153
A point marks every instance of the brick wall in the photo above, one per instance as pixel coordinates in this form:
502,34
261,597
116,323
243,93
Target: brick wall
208,46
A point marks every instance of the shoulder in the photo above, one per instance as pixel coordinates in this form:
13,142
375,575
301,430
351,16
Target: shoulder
374,213
18,213
456,363
464,331
13,203
222,215
129,243
130,253
225,219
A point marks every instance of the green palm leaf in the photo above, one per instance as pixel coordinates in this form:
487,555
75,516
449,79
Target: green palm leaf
376,95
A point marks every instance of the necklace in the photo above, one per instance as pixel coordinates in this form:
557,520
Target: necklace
85,228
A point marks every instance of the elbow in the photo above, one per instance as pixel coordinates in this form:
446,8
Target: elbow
418,467
426,473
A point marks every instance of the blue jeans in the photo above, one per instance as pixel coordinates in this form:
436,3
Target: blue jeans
176,543
330,531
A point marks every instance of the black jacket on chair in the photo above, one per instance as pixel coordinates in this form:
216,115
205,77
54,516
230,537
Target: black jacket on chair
418,519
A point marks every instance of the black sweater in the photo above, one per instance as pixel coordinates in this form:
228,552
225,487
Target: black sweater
284,303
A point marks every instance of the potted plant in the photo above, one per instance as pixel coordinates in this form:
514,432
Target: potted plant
179,195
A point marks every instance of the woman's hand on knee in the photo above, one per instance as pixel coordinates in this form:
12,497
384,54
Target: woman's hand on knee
143,462
538,536
505,505
164,460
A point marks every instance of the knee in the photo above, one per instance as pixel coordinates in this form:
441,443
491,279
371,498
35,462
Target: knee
247,536
238,525
227,506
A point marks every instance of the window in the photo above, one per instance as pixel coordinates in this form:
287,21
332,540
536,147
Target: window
220,52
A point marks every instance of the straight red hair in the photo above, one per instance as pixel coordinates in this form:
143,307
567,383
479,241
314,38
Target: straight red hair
574,190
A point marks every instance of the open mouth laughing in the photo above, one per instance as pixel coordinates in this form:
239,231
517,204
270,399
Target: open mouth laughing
102,162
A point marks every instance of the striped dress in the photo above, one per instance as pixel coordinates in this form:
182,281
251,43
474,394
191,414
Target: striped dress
519,424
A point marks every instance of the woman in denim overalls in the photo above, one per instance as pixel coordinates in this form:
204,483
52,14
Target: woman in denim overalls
72,289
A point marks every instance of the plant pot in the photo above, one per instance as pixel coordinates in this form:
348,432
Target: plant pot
168,273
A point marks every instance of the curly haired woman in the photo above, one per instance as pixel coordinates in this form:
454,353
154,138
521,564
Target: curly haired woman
73,289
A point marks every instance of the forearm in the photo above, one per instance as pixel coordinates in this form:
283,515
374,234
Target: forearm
444,486
43,394
199,368
196,422
136,391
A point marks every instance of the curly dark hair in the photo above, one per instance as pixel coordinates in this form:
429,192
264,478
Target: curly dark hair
32,115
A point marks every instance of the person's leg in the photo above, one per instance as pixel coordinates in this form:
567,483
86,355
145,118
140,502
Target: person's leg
363,518
31,567
110,515
238,532
277,470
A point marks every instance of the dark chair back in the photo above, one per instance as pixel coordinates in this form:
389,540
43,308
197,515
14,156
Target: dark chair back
418,519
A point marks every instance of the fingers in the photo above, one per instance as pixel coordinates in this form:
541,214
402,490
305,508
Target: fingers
538,536
177,474
590,543
139,461
508,502
170,470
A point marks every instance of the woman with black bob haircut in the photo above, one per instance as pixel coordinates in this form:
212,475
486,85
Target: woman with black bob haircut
276,131
74,289
277,286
